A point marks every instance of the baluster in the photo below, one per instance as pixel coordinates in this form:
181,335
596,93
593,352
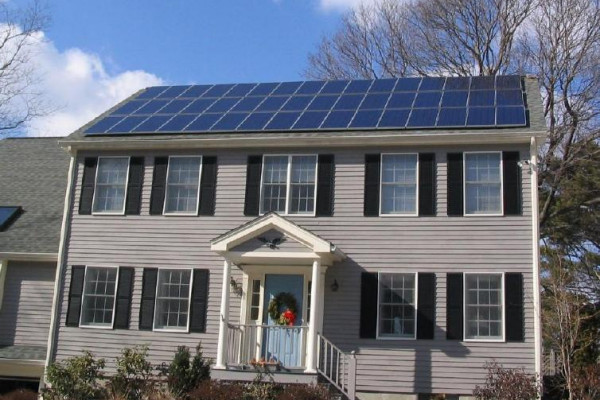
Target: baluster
337,368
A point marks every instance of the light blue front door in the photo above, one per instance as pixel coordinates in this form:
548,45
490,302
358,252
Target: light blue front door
280,343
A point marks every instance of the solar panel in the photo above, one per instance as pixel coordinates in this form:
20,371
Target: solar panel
404,103
7,215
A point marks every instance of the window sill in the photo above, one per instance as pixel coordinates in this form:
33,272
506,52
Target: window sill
105,327
186,330
108,213
484,340
483,215
391,338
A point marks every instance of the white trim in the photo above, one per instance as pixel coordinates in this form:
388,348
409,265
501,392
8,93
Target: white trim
122,212
397,214
464,184
464,310
3,269
187,328
416,305
29,256
535,243
181,213
85,275
290,157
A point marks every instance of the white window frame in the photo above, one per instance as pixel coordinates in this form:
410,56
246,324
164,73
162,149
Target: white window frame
122,212
85,275
397,214
180,213
501,212
154,317
503,305
385,337
288,184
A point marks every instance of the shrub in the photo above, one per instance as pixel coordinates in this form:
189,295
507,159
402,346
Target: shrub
304,392
20,394
134,377
216,390
507,384
586,383
76,378
183,375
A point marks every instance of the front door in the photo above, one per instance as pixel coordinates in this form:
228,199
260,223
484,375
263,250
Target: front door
282,343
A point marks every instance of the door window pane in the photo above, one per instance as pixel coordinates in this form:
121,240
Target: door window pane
483,183
172,299
399,183
397,301
98,296
111,184
183,182
483,304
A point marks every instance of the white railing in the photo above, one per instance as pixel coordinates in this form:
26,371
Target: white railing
283,346
337,367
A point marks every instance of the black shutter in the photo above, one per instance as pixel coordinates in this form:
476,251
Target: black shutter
87,185
325,185
513,294
199,301
512,183
75,293
208,186
454,307
368,305
372,171
253,172
455,184
124,291
134,186
148,296
426,306
427,182
159,181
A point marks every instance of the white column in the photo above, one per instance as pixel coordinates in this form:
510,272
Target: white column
535,243
223,317
311,342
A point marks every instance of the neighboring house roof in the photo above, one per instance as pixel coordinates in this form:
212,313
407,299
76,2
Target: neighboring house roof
33,176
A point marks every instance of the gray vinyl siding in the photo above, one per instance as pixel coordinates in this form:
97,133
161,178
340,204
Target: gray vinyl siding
437,244
27,303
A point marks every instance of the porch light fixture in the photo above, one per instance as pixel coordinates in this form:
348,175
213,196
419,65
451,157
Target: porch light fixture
335,286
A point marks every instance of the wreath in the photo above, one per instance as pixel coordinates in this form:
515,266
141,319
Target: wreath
287,302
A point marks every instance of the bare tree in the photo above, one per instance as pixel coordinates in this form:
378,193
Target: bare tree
20,99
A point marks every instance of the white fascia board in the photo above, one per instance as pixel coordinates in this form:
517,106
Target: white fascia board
18,256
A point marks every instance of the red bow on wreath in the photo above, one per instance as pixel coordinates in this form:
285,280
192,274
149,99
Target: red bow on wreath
288,317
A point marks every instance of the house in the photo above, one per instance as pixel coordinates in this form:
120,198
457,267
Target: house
379,235
33,180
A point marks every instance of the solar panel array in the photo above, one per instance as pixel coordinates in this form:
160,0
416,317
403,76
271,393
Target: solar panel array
7,215
404,103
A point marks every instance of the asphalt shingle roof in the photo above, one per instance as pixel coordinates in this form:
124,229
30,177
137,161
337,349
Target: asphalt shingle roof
33,175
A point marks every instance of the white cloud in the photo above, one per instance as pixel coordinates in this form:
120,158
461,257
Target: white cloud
78,87
342,5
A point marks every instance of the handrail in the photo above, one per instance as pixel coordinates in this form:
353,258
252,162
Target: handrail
338,367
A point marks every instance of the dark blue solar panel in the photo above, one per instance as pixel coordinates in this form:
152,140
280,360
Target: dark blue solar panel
7,215
482,83
152,124
297,103
229,122
349,102
199,106
394,119
452,117
366,119
481,116
509,98
358,86
171,92
457,83
334,87
310,120
151,107
337,119
432,84
217,90
401,100
240,90
508,82
310,87
287,88
175,106
247,104
223,104
482,98
323,103
256,121
130,107
103,125
407,84
428,99
383,85
152,92
510,116
374,101
423,117
127,124
197,90
203,122
272,103
177,123
263,89
283,120
455,99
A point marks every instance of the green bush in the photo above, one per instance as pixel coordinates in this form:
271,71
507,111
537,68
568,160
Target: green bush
76,378
185,373
507,384
134,378
304,392
216,390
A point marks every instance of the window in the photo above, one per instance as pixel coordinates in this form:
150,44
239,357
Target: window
483,306
308,300
255,300
183,185
397,304
173,299
289,184
399,183
99,288
111,185
483,183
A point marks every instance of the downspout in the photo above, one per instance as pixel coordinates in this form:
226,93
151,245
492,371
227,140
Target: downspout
535,242
55,315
